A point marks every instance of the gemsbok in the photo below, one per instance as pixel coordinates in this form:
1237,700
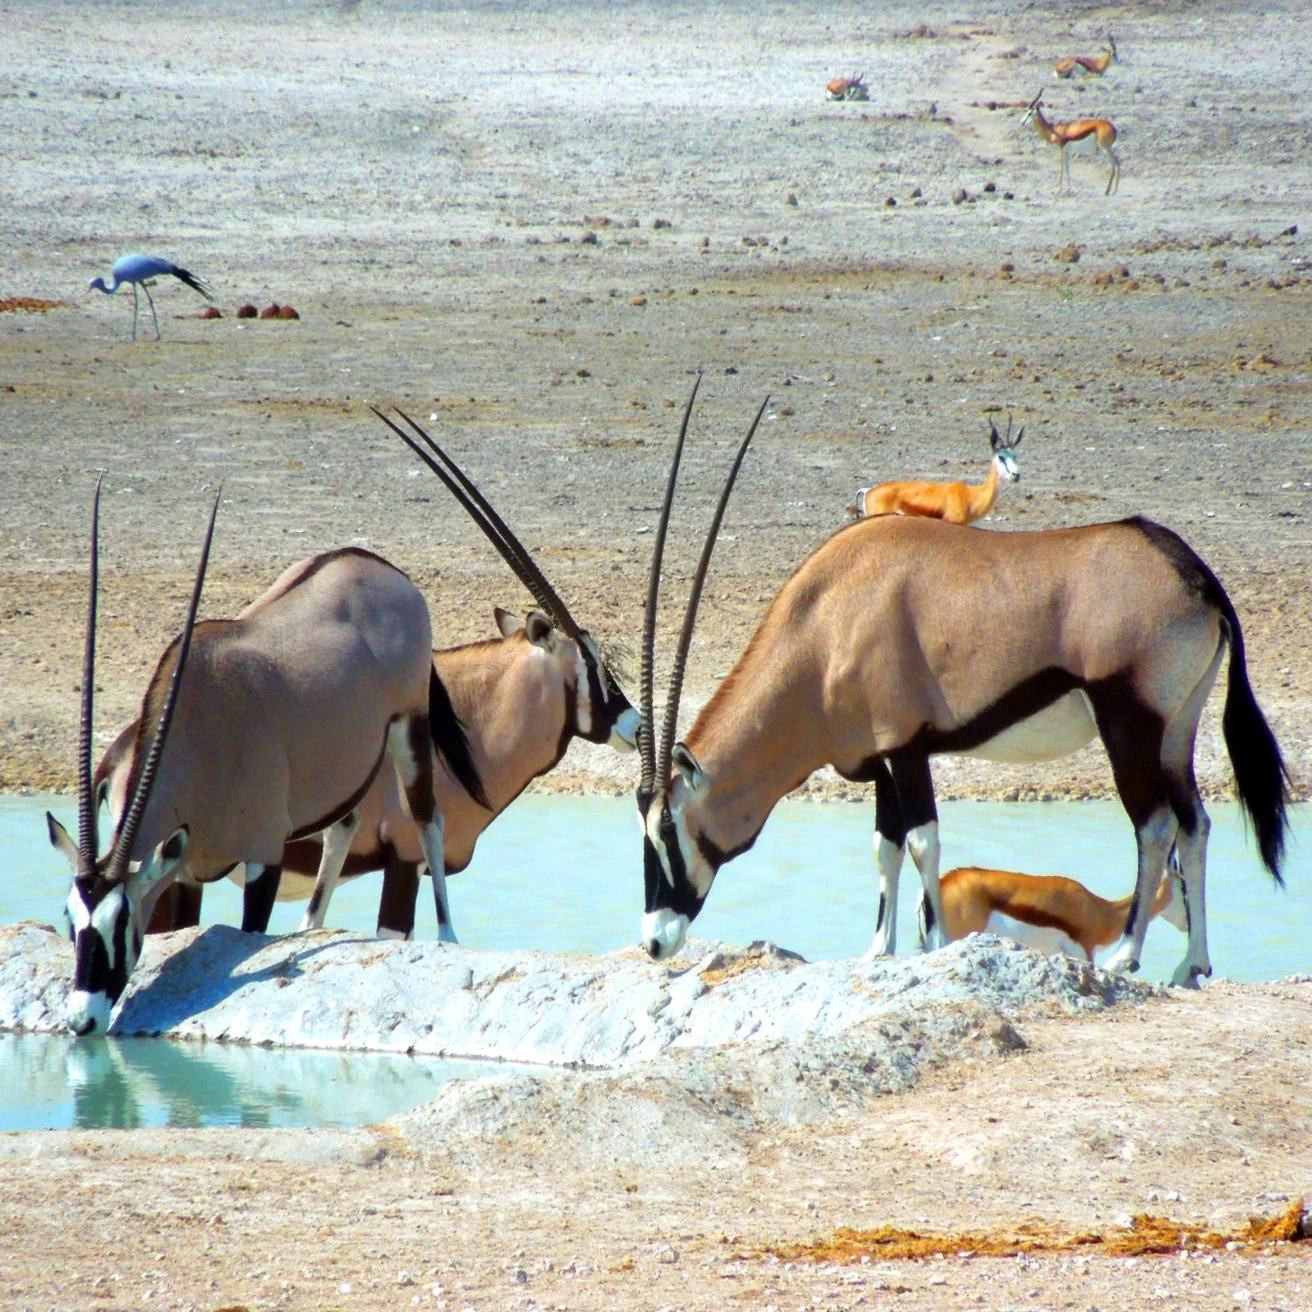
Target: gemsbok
900,639
1097,131
958,503
1092,65
521,699
848,88
1047,912
277,724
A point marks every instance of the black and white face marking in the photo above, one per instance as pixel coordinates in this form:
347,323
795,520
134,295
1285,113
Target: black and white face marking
677,873
1008,470
603,713
106,920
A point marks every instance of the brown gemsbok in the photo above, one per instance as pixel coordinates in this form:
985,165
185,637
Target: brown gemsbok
899,639
277,723
958,503
521,699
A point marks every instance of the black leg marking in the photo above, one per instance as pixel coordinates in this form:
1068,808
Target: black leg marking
396,906
258,898
883,908
889,821
915,789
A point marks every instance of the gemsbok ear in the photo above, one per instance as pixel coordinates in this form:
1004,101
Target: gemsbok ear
689,771
60,840
539,631
508,624
165,858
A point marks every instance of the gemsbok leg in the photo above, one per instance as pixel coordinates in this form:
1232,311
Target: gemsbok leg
396,906
258,895
906,819
411,745
337,841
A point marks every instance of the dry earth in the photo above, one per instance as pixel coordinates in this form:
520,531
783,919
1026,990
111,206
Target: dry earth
421,185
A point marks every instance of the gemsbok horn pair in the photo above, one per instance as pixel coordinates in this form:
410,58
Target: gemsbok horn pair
958,503
900,639
276,725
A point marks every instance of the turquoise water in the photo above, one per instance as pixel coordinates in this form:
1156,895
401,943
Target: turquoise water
57,1082
564,874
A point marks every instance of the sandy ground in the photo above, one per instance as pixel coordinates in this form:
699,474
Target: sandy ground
533,225
422,186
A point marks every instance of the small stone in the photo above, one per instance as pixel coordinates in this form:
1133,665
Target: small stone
271,311
521,1276
662,223
589,238
990,187
638,300
1068,255
960,196
211,312
286,312
247,311
915,193
404,1279
791,199
890,202
666,1254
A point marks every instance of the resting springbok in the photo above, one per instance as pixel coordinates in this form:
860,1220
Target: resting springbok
1096,131
1093,65
900,639
277,727
848,88
1047,912
958,503
521,698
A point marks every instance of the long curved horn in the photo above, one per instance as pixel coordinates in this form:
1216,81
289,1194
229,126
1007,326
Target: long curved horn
690,616
88,828
127,834
481,511
646,742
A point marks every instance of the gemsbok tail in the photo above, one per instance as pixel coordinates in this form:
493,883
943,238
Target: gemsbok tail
450,741
1261,779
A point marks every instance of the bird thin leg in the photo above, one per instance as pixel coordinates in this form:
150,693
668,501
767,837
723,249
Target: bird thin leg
146,288
134,312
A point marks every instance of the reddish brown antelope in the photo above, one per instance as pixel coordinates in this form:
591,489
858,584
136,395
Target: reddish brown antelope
1047,912
1092,65
900,639
1096,131
277,725
958,503
848,88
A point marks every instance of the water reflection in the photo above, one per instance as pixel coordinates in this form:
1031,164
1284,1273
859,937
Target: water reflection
56,1082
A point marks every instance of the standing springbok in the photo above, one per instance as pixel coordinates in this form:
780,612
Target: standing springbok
1092,65
1047,912
1097,131
277,726
958,503
900,639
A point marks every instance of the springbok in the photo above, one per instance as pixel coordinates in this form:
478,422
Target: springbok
278,725
1098,131
958,503
902,638
848,88
1093,65
1047,912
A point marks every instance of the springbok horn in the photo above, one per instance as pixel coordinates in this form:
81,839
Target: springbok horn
127,833
494,527
995,438
646,743
88,828
690,616
1007,440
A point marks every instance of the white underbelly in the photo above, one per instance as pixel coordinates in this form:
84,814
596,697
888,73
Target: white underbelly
1041,937
1057,730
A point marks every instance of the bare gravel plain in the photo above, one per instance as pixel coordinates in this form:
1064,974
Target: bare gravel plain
535,223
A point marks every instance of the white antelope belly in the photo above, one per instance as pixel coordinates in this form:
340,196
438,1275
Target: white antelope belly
1057,730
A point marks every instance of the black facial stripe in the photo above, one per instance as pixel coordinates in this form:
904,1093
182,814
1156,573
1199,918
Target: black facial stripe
682,899
90,963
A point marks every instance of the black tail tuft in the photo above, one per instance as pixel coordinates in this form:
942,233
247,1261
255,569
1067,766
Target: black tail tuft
1261,778
451,742
197,284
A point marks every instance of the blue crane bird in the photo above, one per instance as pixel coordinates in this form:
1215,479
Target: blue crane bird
140,271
